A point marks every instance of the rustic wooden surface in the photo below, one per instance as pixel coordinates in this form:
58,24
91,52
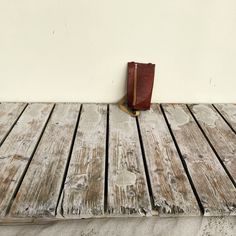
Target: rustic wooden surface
18,148
228,111
215,189
219,134
83,194
172,192
39,191
63,162
127,188
9,113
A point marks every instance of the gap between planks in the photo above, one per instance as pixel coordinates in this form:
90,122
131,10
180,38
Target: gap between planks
17,150
228,113
106,162
171,190
219,136
215,190
183,162
127,187
10,113
83,191
39,191
68,163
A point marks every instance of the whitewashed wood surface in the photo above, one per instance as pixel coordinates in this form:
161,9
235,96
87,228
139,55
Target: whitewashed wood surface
39,191
18,148
9,113
228,111
83,193
219,134
127,187
216,191
172,192
63,162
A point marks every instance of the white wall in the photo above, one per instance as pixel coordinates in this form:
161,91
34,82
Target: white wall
76,50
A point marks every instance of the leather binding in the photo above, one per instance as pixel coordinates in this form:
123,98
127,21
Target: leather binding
140,85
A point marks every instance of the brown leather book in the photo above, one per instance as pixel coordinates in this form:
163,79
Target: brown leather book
140,85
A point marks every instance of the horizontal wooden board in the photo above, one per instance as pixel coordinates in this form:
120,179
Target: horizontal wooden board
228,111
214,188
9,113
173,195
83,193
127,186
219,134
17,150
39,191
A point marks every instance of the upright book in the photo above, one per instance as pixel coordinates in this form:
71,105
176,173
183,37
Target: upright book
140,85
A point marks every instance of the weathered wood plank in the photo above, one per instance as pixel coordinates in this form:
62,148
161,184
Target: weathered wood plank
228,111
18,148
215,190
127,187
39,191
9,112
83,194
219,134
172,192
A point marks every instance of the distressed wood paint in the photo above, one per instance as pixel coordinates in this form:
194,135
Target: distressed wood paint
127,187
215,190
228,111
173,195
83,193
39,191
9,113
18,148
219,134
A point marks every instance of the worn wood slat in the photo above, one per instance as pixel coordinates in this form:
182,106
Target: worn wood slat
17,149
228,111
219,134
127,187
9,112
83,193
172,192
39,191
215,190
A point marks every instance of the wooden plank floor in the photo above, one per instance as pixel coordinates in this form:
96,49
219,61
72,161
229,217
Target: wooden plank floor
74,161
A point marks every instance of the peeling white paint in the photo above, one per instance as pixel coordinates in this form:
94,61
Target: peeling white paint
205,114
78,182
178,117
125,178
229,109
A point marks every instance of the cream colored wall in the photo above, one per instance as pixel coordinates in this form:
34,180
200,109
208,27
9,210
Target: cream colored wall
76,50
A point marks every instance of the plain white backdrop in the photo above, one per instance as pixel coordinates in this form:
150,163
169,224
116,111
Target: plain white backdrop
77,50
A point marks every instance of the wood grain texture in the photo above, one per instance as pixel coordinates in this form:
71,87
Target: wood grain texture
127,187
219,134
228,111
83,194
9,113
39,191
18,148
215,190
173,195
